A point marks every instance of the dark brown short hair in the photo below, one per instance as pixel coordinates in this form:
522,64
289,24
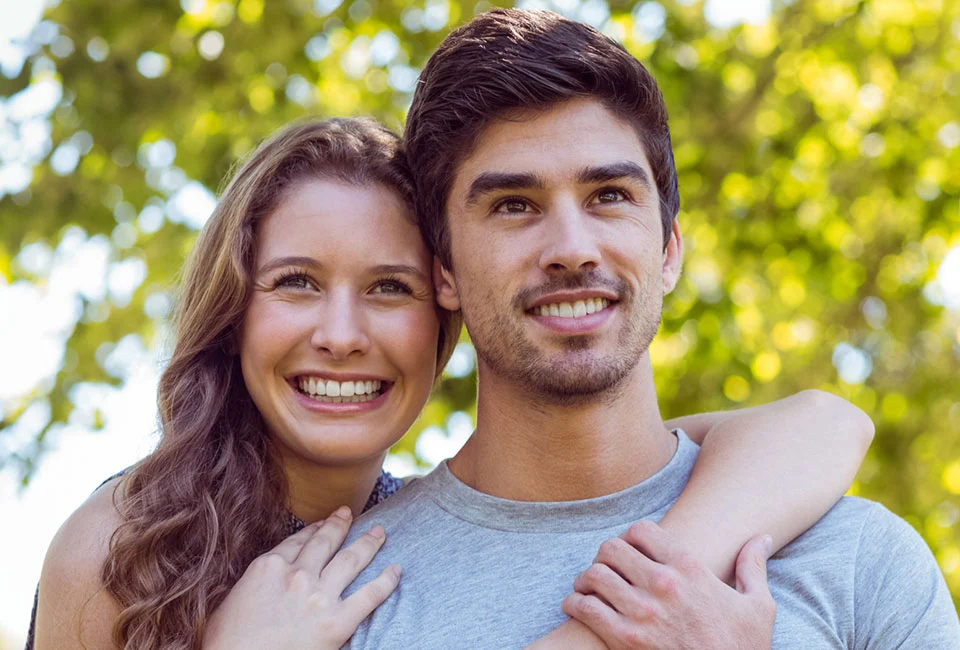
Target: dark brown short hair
510,59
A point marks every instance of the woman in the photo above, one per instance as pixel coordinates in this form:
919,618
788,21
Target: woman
313,253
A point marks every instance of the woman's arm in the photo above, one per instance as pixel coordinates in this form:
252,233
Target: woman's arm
73,610
773,469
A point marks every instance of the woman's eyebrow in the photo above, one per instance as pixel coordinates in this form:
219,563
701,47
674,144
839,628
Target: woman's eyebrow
397,269
293,260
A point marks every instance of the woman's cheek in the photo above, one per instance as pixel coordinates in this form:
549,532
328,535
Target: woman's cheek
411,337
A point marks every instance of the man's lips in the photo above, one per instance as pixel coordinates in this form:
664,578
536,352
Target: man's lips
580,317
572,297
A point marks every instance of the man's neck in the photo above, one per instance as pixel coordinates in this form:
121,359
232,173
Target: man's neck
527,449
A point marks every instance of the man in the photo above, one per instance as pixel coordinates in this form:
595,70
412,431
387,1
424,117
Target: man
547,188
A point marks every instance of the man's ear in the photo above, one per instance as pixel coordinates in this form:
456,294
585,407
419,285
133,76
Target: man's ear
445,286
672,258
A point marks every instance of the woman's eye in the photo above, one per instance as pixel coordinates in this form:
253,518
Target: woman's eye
610,196
391,287
294,282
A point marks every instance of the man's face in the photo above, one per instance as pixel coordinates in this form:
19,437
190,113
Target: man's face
557,248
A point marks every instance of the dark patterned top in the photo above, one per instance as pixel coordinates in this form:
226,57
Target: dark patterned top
387,484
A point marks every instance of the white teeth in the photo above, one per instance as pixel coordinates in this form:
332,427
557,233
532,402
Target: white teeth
340,392
574,310
356,399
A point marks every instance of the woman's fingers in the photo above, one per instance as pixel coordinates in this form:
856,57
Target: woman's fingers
324,542
367,598
290,547
346,565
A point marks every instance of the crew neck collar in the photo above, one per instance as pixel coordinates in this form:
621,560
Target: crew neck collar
646,498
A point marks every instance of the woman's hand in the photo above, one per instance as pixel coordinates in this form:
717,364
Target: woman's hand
642,592
290,596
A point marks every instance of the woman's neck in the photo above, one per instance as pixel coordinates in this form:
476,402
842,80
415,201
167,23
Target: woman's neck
315,491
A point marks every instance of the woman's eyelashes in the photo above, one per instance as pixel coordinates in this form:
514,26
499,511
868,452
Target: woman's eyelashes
391,286
293,279
300,280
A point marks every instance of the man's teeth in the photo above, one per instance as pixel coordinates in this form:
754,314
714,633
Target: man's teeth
576,309
339,392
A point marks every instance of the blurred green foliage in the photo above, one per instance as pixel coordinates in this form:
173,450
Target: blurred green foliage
819,172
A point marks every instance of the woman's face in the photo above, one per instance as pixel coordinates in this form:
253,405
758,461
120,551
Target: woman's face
339,342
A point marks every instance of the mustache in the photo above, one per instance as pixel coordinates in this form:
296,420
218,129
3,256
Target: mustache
574,281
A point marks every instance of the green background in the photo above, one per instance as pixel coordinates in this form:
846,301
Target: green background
819,173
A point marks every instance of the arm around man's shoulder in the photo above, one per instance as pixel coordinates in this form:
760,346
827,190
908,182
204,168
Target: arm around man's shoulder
900,597
74,611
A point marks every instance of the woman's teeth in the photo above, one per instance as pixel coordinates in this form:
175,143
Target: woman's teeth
575,309
340,392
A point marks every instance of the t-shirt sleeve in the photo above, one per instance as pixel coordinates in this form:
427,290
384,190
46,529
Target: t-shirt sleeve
901,601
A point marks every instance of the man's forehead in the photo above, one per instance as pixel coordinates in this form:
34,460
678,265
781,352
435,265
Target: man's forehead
558,142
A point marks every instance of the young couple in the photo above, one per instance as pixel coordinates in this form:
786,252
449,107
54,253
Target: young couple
536,195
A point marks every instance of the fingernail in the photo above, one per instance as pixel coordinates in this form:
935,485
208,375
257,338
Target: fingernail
343,512
767,545
397,571
377,532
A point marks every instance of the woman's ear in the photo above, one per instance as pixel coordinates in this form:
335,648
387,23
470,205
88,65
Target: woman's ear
672,258
445,286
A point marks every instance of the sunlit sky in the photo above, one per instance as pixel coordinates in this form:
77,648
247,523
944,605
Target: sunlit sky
31,344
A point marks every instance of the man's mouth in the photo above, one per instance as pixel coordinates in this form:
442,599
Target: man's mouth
572,309
341,392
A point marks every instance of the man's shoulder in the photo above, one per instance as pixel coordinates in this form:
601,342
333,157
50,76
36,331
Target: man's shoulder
869,576
400,511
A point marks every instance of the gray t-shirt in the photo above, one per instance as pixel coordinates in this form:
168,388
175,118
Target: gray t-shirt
481,572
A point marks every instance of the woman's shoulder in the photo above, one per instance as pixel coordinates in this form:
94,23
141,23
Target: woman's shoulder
87,532
71,596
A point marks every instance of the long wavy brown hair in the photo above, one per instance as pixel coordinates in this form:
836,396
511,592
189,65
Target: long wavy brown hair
212,496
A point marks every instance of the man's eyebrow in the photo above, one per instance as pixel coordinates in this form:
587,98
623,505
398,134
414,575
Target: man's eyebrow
614,171
496,181
295,260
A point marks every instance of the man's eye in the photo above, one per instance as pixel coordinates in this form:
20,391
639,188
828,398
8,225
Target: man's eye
512,205
610,196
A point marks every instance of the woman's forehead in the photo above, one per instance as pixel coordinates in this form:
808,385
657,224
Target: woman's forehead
329,217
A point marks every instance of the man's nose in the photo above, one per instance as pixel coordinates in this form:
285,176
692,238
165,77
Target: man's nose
570,243
341,329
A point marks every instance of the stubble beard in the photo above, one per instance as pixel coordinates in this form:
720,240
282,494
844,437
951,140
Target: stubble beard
575,374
